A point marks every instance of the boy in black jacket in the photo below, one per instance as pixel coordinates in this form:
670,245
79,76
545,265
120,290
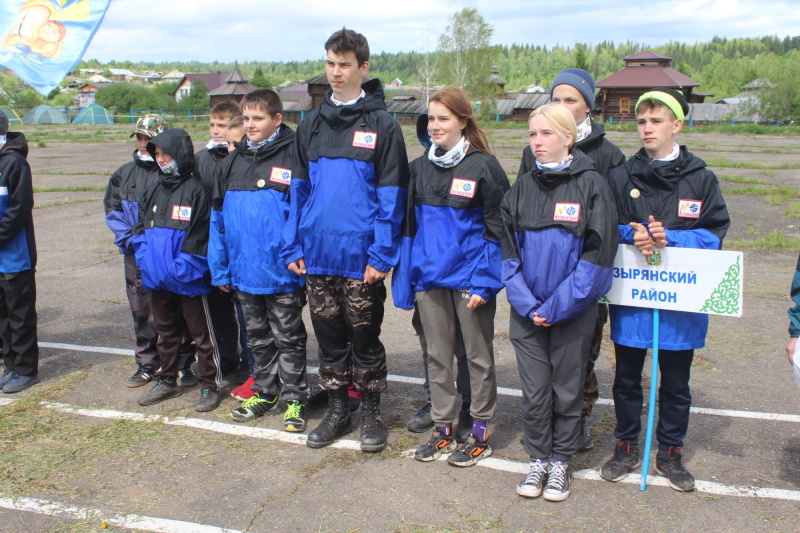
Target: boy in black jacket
17,264
209,167
171,244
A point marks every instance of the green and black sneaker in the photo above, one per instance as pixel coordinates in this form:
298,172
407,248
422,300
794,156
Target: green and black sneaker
254,407
294,419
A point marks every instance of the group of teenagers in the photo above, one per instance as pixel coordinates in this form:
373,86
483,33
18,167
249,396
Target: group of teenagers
265,219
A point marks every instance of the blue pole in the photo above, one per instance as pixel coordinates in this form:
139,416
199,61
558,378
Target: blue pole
651,407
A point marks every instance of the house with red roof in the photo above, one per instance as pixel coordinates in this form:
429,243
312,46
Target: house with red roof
642,73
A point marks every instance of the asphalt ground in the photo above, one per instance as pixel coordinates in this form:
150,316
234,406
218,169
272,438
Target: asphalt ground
79,454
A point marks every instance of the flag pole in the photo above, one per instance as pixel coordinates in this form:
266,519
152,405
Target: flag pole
651,406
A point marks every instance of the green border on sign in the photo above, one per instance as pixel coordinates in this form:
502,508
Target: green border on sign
726,298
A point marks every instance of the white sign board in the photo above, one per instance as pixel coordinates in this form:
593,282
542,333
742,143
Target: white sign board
679,279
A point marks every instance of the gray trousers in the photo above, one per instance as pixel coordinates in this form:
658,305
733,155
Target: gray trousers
462,376
552,369
439,311
277,336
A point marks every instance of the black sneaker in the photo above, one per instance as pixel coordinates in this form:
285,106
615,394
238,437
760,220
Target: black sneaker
585,439
470,452
533,484
209,400
464,427
557,489
139,378
670,465
187,377
164,389
625,459
421,422
438,444
254,407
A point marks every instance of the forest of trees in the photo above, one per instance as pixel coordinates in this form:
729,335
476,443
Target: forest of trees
721,66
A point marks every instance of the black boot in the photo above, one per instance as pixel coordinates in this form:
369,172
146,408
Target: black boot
373,434
335,423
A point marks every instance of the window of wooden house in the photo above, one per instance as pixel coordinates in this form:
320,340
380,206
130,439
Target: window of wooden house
624,105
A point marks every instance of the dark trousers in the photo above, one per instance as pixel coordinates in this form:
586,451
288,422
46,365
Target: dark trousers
18,323
462,375
552,367
226,328
347,311
146,353
591,391
170,313
674,397
277,336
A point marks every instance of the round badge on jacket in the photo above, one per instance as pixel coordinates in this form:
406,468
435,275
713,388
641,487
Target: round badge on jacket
635,193
261,183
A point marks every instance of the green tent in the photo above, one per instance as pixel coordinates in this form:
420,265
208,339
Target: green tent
93,114
45,114
13,118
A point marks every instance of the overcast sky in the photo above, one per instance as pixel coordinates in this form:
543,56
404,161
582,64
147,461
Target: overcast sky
280,30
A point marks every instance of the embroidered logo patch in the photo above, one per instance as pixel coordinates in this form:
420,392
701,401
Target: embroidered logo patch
689,208
181,212
465,188
280,175
567,212
365,139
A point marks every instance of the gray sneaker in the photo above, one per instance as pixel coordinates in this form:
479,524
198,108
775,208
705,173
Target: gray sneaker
557,489
533,484
670,465
209,400
164,389
7,376
19,383
421,422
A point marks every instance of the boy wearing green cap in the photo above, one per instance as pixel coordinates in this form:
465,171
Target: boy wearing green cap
665,196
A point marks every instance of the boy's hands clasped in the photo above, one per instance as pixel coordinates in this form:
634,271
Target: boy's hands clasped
645,237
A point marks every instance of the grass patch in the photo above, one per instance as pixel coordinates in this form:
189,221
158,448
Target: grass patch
773,242
68,201
774,195
727,163
71,188
792,210
740,179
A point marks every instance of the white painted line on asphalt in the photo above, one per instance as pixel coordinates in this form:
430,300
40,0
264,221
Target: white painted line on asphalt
6,401
199,423
493,463
129,521
500,390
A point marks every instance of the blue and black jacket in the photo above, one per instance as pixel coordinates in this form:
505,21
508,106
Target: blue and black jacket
171,239
452,228
559,240
349,188
685,196
250,209
125,187
17,241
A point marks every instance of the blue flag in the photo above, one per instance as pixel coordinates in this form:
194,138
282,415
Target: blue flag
42,40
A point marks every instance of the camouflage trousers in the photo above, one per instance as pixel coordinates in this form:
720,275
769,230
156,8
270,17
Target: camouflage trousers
277,336
347,315
590,387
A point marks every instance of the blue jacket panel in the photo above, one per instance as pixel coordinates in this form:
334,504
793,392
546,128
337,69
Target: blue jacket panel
253,227
794,312
17,242
166,267
663,186
348,192
559,241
